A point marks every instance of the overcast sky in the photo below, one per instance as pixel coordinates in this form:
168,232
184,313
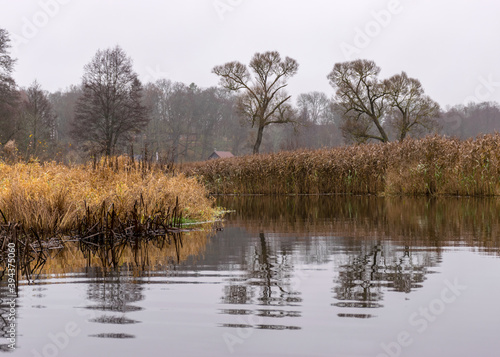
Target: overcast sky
451,46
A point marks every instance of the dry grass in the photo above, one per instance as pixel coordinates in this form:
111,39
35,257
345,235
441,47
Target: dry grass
50,198
429,166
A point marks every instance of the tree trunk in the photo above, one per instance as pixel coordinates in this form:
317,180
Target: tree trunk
405,127
108,147
381,130
256,147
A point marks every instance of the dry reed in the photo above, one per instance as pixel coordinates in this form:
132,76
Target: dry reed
429,166
50,198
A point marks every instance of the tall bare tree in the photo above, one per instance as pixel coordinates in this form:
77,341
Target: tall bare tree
38,117
110,109
369,105
412,110
362,98
9,96
264,100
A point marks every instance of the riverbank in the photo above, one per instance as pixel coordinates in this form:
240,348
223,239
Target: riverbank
104,207
429,166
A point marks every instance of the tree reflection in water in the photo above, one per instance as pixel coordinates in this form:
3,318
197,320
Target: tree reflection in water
377,267
267,283
115,272
113,294
376,244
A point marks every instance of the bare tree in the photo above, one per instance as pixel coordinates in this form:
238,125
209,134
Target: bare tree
264,100
356,129
368,105
9,96
171,109
110,108
317,121
6,62
412,110
39,118
209,109
362,98
316,107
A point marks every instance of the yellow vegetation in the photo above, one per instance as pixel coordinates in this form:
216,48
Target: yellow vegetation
49,197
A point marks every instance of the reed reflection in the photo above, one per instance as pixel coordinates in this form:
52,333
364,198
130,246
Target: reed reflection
417,221
376,244
115,272
138,258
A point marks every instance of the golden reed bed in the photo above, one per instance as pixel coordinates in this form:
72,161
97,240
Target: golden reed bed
51,197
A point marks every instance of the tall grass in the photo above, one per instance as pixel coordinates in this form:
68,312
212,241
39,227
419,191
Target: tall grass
52,198
428,166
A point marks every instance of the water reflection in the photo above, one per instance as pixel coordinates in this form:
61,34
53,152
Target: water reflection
114,293
114,320
331,271
267,282
138,258
376,245
4,319
377,267
113,335
417,221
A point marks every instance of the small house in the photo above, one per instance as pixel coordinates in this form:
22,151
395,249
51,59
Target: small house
220,155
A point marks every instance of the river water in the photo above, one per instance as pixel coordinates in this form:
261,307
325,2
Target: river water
286,276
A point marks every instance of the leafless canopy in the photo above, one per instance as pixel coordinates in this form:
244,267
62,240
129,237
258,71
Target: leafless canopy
361,96
411,109
264,100
110,108
370,105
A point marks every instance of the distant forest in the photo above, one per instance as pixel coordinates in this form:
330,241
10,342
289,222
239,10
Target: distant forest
112,113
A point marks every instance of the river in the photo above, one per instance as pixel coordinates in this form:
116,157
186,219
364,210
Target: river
283,276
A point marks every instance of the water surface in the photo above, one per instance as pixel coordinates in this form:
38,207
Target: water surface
289,276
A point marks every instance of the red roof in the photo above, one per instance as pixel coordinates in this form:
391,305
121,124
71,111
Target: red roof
223,154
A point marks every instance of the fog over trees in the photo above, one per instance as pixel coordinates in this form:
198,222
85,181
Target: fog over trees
112,113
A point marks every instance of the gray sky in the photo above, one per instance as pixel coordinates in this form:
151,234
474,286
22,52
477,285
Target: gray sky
452,46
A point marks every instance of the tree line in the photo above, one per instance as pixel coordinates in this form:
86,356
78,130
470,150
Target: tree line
111,112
